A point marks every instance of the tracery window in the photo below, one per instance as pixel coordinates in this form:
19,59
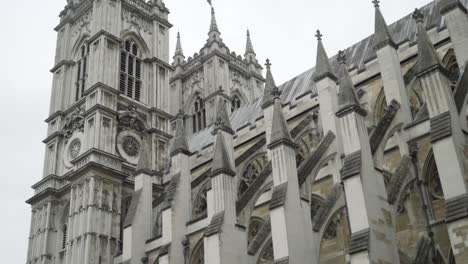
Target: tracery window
81,71
235,103
266,255
251,172
130,70
255,225
199,115
198,254
308,142
200,206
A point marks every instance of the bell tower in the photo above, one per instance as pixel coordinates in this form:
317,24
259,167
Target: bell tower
109,95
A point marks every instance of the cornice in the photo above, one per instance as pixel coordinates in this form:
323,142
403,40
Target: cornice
161,113
159,132
444,10
351,108
96,107
103,86
80,8
54,115
62,63
48,177
95,166
107,34
159,61
54,135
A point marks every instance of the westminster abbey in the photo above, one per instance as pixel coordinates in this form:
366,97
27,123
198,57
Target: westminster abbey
152,157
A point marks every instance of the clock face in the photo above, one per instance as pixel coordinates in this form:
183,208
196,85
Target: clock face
130,146
74,149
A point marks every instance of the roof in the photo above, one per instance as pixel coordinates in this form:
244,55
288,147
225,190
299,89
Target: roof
357,55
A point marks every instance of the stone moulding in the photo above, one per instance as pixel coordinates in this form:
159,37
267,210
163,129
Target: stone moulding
398,178
278,198
260,238
308,165
215,224
325,210
164,250
359,242
441,127
379,132
457,208
352,165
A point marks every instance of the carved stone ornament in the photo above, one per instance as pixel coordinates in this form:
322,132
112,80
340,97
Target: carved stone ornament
130,119
131,146
74,149
74,122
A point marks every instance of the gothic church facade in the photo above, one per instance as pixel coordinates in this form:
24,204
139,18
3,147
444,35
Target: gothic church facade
205,160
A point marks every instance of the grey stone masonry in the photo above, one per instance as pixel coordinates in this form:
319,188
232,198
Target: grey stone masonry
278,198
441,127
352,165
456,208
359,242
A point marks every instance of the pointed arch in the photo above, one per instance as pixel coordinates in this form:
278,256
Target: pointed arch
307,142
451,64
434,186
82,39
198,253
239,99
380,106
252,169
266,254
254,226
188,107
200,205
135,36
316,201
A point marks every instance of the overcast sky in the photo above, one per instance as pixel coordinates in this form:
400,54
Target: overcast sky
281,30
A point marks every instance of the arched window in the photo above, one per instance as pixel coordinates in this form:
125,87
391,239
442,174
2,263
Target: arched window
266,255
307,143
199,115
451,64
251,172
130,70
198,254
81,71
200,206
235,103
254,226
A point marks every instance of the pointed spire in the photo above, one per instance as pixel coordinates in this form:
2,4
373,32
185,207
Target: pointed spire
144,160
268,98
221,161
279,127
179,51
427,55
322,67
347,98
382,35
249,47
180,141
222,121
214,24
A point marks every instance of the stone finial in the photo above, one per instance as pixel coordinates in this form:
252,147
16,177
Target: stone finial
180,144
144,160
279,128
249,47
214,24
268,98
179,51
221,161
322,67
347,98
382,35
427,55
341,57
418,16
222,121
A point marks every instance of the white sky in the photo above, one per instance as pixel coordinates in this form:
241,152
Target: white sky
281,30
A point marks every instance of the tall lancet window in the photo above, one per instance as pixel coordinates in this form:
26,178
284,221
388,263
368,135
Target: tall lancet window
130,70
199,115
82,71
236,103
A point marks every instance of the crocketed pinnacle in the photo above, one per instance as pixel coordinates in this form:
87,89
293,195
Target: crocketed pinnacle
144,160
179,51
268,98
382,35
322,67
222,121
279,128
427,55
347,96
180,141
249,47
213,25
221,160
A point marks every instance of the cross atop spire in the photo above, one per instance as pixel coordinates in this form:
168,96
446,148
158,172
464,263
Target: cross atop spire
318,35
418,16
268,64
270,85
382,36
376,3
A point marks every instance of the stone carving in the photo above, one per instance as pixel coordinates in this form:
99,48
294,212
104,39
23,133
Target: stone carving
131,146
266,256
136,21
74,122
82,23
130,119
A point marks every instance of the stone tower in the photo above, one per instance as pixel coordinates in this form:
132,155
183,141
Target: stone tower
109,96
